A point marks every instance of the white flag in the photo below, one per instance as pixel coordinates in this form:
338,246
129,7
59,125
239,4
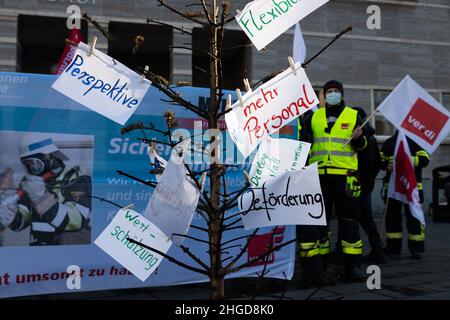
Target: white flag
410,108
102,84
276,156
299,47
269,108
291,198
403,183
174,200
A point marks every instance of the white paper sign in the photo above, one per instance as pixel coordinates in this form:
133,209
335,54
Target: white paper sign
292,198
412,109
276,156
102,84
140,261
264,20
174,200
269,108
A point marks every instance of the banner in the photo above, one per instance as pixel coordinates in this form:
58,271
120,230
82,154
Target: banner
96,150
269,108
276,156
292,198
102,84
135,258
411,109
403,183
174,200
264,20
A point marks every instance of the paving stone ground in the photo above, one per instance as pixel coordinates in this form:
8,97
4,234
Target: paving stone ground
401,278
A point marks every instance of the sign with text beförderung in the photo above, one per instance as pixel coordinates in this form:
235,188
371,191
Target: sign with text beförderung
141,261
291,198
276,156
264,20
269,108
102,84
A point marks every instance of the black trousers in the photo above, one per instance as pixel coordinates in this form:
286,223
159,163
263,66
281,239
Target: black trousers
394,229
347,208
367,222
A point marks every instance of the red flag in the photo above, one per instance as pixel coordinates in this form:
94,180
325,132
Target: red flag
403,183
69,51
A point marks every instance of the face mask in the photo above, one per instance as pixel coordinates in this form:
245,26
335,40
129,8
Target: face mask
334,98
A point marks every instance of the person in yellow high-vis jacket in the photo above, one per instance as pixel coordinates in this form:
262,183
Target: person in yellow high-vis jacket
328,129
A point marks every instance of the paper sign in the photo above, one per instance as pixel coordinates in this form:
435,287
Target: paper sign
264,20
292,198
140,261
276,156
102,84
269,108
174,200
414,111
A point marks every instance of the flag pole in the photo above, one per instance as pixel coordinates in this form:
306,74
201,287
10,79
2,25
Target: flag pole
364,123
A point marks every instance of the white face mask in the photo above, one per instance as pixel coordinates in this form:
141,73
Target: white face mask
334,98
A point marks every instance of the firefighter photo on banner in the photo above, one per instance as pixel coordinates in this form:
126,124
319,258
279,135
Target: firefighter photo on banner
45,189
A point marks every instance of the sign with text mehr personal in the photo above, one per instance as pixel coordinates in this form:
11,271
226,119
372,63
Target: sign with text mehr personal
264,20
292,198
140,261
102,84
269,108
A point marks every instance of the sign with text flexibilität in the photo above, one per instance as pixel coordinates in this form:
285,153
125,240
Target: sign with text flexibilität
264,20
291,198
102,84
269,108
140,261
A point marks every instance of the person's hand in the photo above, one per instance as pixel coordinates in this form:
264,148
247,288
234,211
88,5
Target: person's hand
357,133
40,198
8,208
390,167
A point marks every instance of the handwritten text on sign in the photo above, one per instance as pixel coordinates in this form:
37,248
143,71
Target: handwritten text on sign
130,224
292,198
102,84
264,20
276,156
269,108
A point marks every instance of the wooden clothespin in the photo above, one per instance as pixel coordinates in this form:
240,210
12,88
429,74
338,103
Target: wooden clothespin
292,64
228,105
130,206
247,178
238,12
145,73
92,46
247,85
202,182
241,102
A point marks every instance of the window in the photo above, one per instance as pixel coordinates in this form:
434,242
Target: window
446,100
41,42
382,126
236,59
155,51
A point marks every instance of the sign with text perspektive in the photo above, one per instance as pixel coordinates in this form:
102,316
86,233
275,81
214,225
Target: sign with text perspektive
102,84
128,224
269,108
264,20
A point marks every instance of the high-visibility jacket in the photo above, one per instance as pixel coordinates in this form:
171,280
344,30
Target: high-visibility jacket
328,147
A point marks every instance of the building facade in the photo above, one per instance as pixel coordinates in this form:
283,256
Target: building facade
413,38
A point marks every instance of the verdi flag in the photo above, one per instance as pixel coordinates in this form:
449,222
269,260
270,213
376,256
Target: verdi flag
412,109
69,50
403,183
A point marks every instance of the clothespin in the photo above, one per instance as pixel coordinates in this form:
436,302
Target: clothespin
92,46
228,105
292,64
247,178
247,85
238,12
130,206
202,181
241,102
145,73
